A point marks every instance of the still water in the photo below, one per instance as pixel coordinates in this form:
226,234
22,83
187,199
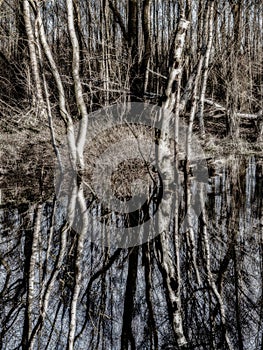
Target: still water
119,300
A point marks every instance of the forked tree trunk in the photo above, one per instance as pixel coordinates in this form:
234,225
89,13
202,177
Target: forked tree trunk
65,115
81,138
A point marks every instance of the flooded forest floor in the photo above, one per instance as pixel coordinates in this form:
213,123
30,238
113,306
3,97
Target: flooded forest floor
28,159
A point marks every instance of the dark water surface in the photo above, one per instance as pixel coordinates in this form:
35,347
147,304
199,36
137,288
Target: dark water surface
40,258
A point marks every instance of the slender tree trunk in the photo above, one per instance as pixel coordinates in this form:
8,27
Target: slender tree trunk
33,56
136,86
65,115
205,67
147,43
81,138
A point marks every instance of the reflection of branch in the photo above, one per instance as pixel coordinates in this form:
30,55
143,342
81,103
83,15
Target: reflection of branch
206,251
48,284
93,278
8,274
33,250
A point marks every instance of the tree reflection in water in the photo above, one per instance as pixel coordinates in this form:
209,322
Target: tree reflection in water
56,284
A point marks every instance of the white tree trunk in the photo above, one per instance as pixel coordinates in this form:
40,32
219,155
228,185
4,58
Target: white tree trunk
205,68
32,268
81,138
62,102
166,162
33,55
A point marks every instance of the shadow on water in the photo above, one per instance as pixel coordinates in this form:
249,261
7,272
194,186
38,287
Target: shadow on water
37,278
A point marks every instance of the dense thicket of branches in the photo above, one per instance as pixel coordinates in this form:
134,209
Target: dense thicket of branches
125,49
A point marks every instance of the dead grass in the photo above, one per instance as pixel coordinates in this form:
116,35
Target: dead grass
28,160
227,146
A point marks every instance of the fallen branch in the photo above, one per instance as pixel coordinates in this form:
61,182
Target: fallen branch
240,115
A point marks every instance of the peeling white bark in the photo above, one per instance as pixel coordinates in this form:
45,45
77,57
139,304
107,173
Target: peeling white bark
176,69
166,163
